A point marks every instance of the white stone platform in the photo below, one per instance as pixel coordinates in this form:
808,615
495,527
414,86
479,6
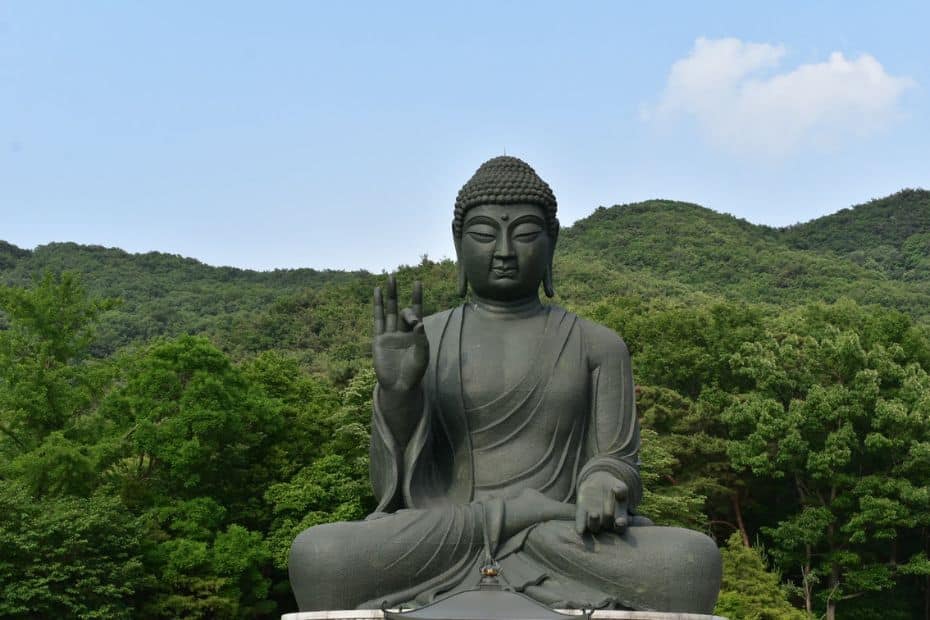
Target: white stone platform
604,614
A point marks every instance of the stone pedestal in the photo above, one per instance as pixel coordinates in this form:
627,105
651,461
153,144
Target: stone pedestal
375,614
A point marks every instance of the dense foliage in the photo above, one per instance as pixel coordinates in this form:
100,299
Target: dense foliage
890,234
167,428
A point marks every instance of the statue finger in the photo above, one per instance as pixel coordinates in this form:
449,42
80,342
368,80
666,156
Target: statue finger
609,507
620,492
581,520
621,523
408,320
620,512
594,522
379,312
390,318
417,300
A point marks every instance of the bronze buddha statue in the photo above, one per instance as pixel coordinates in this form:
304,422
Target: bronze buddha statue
503,427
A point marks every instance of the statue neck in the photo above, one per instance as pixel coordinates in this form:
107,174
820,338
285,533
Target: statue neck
517,309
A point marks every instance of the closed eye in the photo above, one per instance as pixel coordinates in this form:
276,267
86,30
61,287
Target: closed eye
527,237
481,237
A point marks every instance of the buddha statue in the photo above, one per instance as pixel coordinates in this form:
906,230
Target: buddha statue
503,430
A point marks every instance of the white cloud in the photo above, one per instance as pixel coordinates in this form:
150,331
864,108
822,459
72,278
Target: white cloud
739,100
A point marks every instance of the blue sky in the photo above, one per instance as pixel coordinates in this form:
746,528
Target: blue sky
336,135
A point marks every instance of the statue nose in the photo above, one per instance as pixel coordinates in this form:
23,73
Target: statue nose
504,248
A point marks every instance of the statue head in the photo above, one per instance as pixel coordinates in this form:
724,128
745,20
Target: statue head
505,230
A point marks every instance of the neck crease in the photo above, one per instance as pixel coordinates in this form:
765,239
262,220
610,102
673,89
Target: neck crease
517,309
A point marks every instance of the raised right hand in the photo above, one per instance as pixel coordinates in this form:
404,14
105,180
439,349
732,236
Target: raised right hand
400,348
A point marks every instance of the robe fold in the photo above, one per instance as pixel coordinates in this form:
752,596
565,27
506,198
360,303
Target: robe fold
565,419
443,497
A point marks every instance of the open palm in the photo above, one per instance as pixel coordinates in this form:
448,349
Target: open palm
400,348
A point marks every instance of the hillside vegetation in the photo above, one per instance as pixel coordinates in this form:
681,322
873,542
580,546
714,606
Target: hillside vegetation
651,249
167,427
891,231
883,222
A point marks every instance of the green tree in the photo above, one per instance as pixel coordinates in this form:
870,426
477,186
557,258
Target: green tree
334,486
195,427
67,557
749,590
45,378
196,444
840,415
665,501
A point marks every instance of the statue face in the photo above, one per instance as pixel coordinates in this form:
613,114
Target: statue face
504,250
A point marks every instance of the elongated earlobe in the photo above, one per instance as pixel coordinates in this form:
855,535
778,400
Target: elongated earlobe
460,268
463,282
548,288
547,281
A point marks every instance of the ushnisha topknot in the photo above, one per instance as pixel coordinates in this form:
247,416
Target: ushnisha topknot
505,180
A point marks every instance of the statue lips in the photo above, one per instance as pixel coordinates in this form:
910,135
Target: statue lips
505,273
504,268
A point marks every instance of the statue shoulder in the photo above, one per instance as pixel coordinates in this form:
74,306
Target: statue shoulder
438,319
434,324
603,343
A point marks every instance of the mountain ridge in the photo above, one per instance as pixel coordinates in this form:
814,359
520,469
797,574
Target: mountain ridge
650,249
798,234
890,220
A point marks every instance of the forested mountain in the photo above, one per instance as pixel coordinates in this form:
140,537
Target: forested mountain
887,221
873,253
890,234
167,427
680,246
162,294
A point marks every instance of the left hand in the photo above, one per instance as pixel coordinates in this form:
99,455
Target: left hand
601,504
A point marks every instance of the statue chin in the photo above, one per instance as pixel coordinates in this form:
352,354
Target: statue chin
486,455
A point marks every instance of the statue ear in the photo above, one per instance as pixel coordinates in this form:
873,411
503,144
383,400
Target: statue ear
463,280
547,276
547,281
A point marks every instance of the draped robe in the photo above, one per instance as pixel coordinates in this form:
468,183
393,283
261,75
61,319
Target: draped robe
442,497
562,420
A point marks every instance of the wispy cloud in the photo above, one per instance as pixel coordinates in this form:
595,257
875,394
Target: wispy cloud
740,100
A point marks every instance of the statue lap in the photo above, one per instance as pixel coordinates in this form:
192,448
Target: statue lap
634,569
355,564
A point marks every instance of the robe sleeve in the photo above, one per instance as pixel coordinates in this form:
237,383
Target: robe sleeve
612,437
386,464
387,468
414,475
